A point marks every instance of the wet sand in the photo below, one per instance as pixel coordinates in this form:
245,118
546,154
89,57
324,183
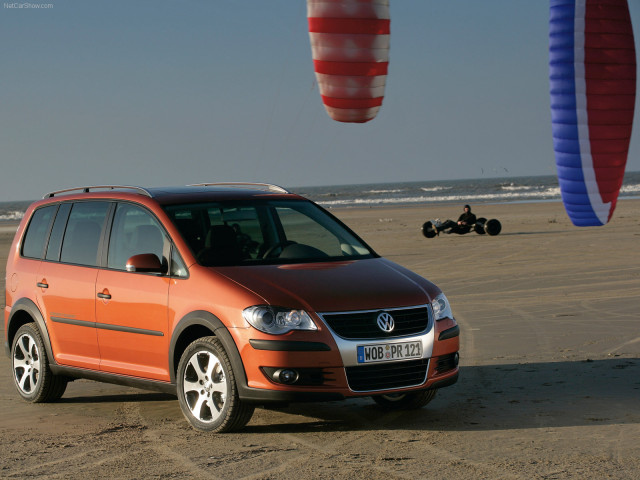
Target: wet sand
549,384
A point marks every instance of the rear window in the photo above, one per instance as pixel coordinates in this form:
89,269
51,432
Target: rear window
55,239
37,231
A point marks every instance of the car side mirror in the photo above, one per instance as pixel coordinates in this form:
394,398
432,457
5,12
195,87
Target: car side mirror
146,263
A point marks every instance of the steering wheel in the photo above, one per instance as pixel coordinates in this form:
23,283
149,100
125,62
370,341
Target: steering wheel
274,248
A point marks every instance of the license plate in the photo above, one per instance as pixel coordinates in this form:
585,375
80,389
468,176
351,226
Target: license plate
388,352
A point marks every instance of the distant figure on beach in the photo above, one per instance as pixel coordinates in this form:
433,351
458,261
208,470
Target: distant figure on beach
465,222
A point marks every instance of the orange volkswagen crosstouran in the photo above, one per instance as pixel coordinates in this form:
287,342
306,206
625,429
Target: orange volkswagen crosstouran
227,295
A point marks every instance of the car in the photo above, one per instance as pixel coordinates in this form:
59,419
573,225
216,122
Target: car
228,295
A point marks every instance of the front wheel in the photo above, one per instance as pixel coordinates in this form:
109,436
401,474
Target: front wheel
207,390
405,401
31,373
493,227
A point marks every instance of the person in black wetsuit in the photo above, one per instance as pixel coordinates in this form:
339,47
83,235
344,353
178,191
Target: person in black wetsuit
464,224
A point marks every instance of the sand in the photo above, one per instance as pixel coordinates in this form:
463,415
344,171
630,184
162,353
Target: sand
549,382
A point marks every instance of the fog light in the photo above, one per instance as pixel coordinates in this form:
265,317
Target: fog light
286,376
456,359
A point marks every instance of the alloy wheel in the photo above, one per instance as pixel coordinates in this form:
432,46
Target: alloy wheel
26,364
205,386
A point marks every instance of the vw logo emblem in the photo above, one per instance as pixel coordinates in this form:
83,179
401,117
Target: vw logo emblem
386,322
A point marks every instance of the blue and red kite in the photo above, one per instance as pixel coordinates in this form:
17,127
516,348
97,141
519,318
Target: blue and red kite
593,84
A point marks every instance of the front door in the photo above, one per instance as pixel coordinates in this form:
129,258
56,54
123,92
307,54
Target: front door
131,308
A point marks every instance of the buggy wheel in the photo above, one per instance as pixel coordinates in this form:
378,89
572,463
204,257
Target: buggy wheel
428,230
493,227
479,226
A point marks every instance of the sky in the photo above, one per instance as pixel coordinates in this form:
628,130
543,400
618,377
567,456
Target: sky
169,92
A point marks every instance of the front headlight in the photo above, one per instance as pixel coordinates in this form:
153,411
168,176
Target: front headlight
441,307
277,321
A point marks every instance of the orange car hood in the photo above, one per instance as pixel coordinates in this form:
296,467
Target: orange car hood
335,286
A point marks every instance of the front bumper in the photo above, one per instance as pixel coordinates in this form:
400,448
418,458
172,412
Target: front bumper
334,360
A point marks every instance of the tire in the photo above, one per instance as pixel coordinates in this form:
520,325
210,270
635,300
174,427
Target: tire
479,226
207,390
493,227
30,367
405,401
428,230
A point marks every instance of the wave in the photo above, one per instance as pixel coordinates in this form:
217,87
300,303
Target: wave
548,194
13,215
434,189
630,188
517,188
398,190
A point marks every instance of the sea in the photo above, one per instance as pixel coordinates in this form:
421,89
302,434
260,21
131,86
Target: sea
472,191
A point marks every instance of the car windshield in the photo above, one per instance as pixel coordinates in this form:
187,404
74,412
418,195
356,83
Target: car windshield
264,232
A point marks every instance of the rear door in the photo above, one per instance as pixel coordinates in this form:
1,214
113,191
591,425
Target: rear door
33,247
131,310
67,278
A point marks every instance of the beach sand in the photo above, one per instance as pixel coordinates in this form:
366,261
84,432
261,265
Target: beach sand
549,381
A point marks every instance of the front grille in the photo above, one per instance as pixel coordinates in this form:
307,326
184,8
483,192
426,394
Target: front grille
385,376
363,325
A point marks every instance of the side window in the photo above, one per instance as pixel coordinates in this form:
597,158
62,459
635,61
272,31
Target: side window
33,244
135,231
82,236
57,232
178,268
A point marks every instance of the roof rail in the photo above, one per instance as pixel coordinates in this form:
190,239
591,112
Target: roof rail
269,186
140,190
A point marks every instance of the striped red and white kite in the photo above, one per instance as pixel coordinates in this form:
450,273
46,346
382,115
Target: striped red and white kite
350,47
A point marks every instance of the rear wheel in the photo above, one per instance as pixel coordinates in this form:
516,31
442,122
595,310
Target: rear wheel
405,401
207,389
30,365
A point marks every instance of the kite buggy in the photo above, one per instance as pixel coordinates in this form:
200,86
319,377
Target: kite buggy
491,227
467,222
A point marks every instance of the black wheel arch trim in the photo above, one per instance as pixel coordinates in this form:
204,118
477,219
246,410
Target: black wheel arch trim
30,308
208,320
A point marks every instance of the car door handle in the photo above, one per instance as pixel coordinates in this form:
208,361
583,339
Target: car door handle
42,285
104,296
